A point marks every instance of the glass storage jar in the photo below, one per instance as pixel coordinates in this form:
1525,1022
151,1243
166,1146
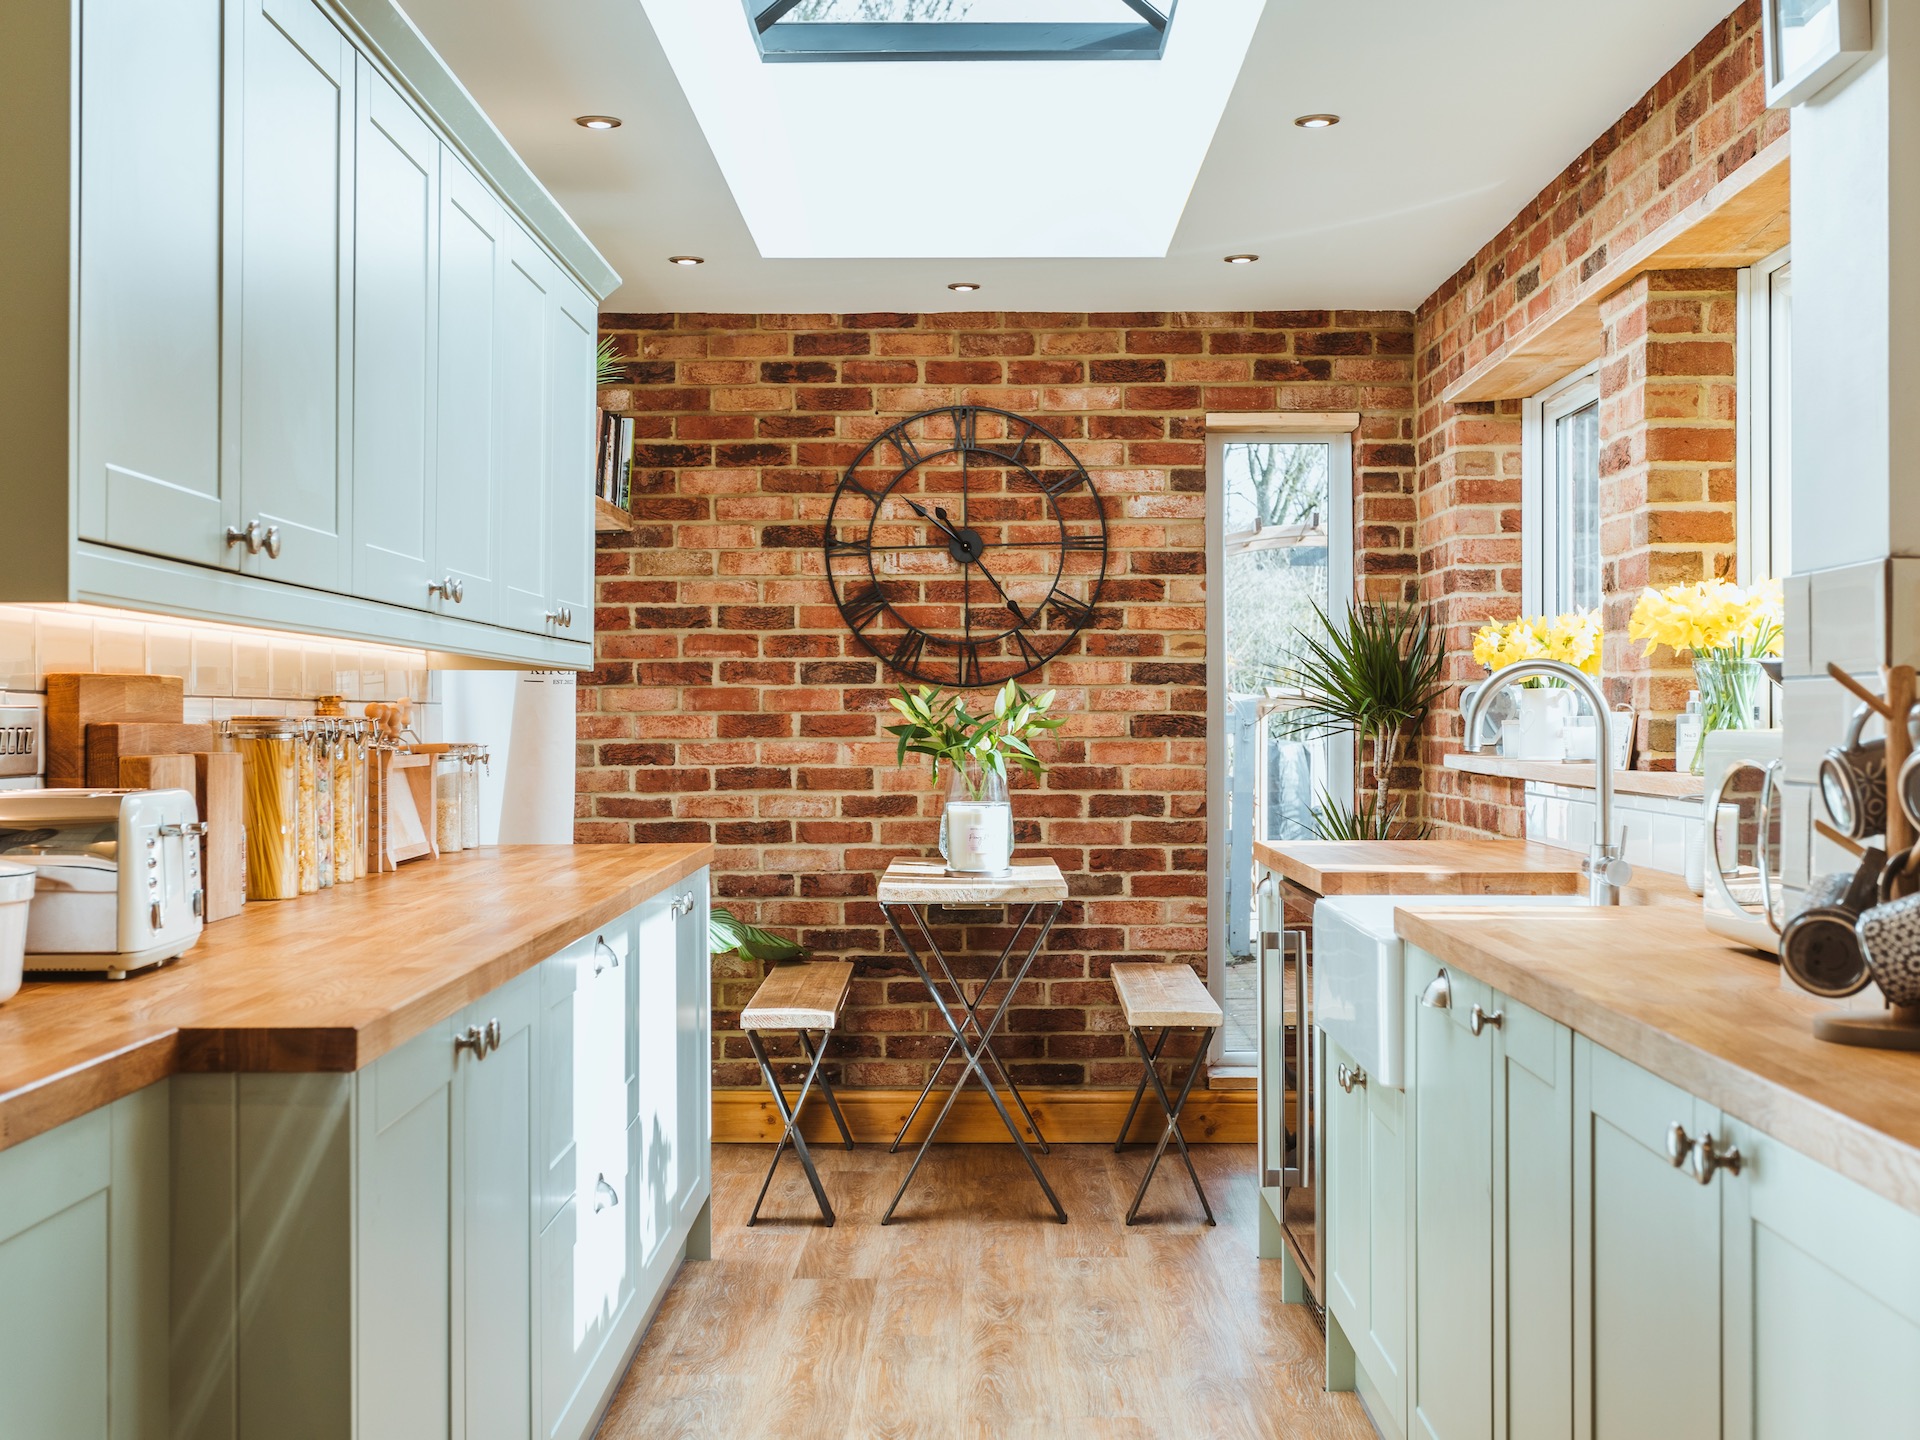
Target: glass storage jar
268,746
448,834
472,757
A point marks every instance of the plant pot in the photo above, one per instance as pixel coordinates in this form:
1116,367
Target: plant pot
1540,731
976,827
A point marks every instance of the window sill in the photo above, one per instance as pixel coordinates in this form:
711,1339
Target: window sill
1579,774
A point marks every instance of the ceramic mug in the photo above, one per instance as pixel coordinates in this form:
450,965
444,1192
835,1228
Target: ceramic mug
1890,935
1907,786
1820,947
1853,782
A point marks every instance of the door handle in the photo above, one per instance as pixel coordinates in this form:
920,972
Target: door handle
449,589
1350,1078
272,542
604,1195
249,537
474,1039
1707,1158
1478,1019
613,956
1439,994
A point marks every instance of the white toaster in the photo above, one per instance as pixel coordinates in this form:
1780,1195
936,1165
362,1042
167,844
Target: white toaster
118,885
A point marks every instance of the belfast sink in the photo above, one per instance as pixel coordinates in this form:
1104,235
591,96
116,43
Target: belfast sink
1358,971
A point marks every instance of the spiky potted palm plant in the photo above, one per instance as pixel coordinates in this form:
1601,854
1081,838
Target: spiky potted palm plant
1376,676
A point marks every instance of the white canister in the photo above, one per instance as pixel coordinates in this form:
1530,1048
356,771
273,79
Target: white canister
1540,731
16,894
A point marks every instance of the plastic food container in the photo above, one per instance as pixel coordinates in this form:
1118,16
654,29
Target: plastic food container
16,894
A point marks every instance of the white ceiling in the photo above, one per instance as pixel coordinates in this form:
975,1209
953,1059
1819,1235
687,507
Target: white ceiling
1456,112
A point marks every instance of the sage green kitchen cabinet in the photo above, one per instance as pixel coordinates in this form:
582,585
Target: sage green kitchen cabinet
1647,1272
289,295
83,1277
444,1169
396,299
466,494
1364,1184
147,437
265,276
694,1025
1451,1093
1820,1299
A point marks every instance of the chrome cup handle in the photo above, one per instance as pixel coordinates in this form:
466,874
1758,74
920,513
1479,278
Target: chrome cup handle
1762,845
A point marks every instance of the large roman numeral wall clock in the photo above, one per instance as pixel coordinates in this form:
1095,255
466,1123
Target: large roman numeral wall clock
966,546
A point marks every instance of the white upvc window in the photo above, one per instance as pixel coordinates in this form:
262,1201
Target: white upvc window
1560,496
1765,451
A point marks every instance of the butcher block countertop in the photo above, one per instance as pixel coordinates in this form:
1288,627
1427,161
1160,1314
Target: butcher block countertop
1706,1014
329,982
1449,867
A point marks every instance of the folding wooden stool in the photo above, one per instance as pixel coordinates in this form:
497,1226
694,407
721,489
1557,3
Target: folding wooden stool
1165,998
801,997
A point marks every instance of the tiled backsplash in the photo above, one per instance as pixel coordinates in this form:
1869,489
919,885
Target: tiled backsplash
1661,832
228,669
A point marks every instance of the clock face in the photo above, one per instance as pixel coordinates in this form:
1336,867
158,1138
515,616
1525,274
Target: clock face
966,546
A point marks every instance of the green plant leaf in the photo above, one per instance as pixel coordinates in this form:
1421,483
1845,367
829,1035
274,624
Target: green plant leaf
727,933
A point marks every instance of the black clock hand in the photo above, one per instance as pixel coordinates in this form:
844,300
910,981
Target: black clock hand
940,524
1018,612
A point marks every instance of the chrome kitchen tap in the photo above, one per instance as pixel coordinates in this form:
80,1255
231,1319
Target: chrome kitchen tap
1605,869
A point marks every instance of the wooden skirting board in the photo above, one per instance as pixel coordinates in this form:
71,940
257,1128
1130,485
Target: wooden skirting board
1066,1116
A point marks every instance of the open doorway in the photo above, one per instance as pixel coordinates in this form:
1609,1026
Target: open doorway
1279,544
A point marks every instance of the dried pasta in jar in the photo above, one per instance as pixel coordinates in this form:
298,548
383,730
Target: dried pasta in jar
270,793
307,815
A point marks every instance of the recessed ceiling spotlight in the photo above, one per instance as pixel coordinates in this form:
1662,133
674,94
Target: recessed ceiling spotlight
1316,122
685,260
1240,259
597,122
965,287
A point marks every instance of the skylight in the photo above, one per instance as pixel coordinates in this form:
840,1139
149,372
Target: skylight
985,158
842,30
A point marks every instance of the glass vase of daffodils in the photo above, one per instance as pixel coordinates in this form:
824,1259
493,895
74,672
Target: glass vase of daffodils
1575,639
1728,631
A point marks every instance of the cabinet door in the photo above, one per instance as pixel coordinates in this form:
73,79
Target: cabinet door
287,382
1345,1183
576,326
54,1324
658,1180
493,1299
1821,1299
1452,1094
1647,1258
586,1194
406,1125
1533,1226
395,222
529,284
148,436
466,499
693,1050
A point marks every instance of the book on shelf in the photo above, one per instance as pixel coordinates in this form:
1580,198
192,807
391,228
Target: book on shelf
613,469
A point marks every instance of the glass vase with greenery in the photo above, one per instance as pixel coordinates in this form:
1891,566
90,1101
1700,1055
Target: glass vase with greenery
976,825
1376,676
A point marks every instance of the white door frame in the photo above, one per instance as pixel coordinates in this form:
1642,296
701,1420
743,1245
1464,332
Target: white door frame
1340,523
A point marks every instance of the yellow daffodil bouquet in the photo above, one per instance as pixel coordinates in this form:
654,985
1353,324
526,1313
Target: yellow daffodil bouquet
1727,631
1574,638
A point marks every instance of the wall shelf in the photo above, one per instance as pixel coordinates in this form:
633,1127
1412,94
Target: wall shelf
609,518
1578,773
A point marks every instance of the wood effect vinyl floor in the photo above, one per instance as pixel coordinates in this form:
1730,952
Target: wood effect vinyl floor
975,1315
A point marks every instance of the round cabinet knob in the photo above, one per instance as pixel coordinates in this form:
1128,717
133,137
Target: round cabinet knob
474,1039
272,543
1349,1078
1478,1019
448,589
1708,1159
249,537
1679,1145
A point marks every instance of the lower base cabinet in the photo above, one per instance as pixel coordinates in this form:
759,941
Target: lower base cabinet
83,1277
1563,1276
461,1241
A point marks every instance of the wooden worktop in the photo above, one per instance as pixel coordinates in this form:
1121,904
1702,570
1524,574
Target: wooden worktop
1447,867
329,982
1708,1015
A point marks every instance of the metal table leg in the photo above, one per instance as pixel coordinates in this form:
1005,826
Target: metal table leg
972,1020
1173,1109
792,1123
975,1054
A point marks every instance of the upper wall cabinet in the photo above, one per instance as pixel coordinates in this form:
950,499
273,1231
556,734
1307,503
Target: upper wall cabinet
327,345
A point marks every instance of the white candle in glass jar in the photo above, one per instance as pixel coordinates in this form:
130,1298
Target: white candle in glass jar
979,835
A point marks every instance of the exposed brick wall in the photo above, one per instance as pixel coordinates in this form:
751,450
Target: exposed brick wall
1667,436
730,704
1697,126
